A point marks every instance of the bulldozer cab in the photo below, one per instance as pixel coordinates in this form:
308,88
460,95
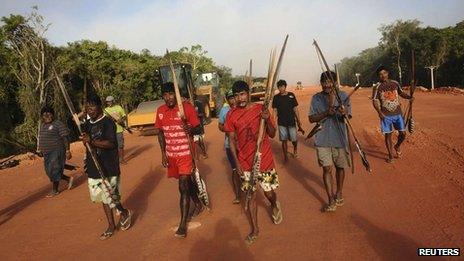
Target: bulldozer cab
184,78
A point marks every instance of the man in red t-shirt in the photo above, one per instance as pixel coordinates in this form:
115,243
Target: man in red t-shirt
241,126
174,137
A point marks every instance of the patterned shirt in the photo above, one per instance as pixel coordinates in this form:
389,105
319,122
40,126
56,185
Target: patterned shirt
168,120
51,136
244,122
388,94
333,132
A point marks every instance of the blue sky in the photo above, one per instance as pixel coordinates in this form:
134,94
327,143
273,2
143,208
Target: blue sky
234,31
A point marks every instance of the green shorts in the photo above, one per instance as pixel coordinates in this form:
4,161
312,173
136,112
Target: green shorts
99,193
268,180
328,156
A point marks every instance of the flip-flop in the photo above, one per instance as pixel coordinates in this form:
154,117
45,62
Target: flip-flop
180,234
277,216
339,202
389,160
126,223
236,201
107,234
52,194
330,207
250,239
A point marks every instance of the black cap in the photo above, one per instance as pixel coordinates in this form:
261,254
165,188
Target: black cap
167,87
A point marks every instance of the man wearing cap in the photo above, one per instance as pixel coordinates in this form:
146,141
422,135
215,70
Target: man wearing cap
222,119
242,127
174,137
118,115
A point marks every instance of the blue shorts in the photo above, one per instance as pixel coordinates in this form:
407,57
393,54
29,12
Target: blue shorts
393,121
287,133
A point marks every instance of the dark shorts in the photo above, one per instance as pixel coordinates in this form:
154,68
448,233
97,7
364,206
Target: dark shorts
230,157
54,164
392,121
120,138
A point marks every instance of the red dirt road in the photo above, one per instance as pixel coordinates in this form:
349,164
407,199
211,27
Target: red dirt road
415,202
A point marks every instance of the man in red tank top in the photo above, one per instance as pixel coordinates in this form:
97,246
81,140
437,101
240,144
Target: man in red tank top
173,136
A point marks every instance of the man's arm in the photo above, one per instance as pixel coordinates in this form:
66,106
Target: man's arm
376,102
233,148
403,94
297,116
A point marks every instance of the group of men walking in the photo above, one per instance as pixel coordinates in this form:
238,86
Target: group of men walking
239,119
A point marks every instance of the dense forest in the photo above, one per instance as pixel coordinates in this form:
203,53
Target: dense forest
442,48
27,61
27,81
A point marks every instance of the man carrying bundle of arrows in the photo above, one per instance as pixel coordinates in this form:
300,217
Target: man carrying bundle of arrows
100,134
173,136
385,99
331,141
242,126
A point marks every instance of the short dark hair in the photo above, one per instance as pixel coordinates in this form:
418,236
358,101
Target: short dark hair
328,75
381,68
48,109
240,86
281,83
167,87
94,100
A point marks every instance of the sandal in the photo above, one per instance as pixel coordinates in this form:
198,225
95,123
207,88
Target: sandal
181,234
126,223
250,239
236,201
277,216
389,160
107,234
52,194
339,202
330,207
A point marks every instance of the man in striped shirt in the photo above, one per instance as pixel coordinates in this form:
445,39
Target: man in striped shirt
53,143
242,125
173,136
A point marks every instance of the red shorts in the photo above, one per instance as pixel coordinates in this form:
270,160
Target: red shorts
181,166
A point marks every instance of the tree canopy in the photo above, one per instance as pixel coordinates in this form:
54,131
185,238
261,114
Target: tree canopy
440,47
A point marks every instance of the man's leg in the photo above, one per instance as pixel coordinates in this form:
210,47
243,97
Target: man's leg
184,189
120,140
252,212
272,197
328,181
401,138
295,148
388,144
285,150
109,217
340,177
236,182
203,146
